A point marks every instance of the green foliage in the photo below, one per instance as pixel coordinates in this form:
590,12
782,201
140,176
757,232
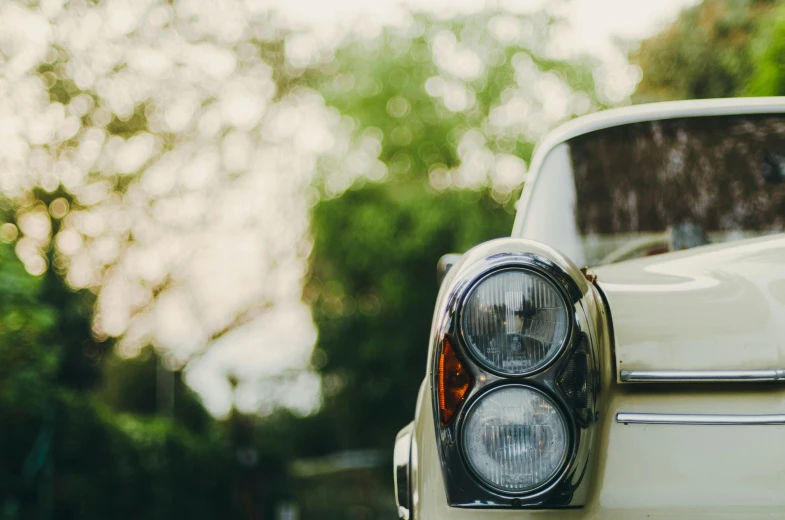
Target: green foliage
135,467
710,51
28,358
130,386
768,48
82,437
384,86
373,288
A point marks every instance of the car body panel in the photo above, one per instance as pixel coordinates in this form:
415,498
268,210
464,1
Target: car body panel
651,471
708,308
725,307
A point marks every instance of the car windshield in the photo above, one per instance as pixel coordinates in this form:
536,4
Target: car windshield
648,188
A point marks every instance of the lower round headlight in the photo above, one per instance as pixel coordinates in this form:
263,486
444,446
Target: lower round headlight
515,439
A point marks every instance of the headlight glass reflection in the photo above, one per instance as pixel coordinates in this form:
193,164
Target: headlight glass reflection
515,321
515,439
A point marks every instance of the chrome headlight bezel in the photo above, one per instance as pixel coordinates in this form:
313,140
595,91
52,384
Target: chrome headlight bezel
564,488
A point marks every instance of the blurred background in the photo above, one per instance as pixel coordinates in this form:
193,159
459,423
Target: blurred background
220,221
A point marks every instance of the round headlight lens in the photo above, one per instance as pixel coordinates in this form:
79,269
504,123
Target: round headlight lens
515,321
515,439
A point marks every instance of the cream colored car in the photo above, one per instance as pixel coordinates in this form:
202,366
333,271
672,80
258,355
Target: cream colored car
646,386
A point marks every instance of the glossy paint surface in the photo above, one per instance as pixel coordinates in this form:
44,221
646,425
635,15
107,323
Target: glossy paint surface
654,471
709,308
734,293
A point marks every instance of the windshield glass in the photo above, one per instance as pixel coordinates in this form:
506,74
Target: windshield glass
648,188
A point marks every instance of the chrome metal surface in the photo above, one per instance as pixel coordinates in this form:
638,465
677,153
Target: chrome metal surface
445,264
401,474
701,419
703,376
568,487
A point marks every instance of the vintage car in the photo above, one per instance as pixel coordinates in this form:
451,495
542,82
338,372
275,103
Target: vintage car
622,354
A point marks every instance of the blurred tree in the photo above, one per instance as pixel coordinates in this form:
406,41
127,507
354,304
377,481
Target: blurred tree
373,287
454,109
457,104
81,438
172,161
768,57
29,363
709,52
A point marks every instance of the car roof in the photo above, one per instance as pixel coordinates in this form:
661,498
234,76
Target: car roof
637,114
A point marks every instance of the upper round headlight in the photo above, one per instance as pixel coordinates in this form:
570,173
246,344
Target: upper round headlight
515,321
515,439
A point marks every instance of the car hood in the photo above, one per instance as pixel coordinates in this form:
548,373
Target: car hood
718,307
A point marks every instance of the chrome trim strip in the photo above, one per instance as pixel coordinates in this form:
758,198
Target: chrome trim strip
769,375
700,419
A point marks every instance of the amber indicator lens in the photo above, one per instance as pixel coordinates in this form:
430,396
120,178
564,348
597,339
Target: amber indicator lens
454,382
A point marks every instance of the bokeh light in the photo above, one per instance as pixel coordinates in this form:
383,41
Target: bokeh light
183,147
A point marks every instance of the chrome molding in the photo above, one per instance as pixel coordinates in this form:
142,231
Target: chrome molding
402,471
700,419
768,375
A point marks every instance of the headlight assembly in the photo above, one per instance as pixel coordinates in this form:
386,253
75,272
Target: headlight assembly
515,367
